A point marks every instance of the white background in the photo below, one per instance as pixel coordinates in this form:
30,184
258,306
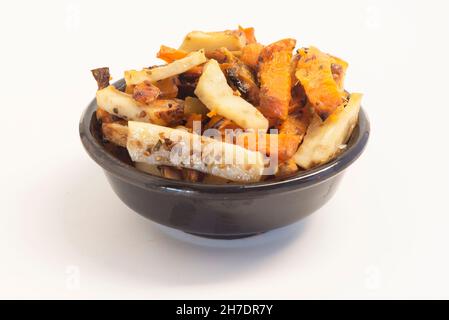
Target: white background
64,234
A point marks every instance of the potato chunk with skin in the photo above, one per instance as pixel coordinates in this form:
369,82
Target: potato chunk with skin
233,40
193,59
324,139
275,79
120,104
214,91
315,74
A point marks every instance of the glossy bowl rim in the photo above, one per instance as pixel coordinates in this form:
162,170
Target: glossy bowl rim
301,180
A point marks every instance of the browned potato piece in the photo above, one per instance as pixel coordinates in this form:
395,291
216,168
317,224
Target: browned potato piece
103,116
145,92
168,88
115,133
168,112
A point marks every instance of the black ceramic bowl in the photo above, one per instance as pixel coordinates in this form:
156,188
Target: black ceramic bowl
220,211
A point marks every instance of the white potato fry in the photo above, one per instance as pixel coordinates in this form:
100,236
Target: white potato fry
210,41
323,140
214,91
157,145
133,77
162,112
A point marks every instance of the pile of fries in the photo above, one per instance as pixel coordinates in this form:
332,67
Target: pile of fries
227,109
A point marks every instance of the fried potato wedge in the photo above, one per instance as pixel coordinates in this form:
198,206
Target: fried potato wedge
315,74
233,40
275,79
214,91
323,140
157,145
193,59
120,104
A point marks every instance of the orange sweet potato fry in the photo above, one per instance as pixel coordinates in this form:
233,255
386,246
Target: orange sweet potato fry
250,54
287,144
315,74
297,123
275,79
249,34
169,54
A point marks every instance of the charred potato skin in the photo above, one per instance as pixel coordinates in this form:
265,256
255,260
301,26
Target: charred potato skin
102,76
242,80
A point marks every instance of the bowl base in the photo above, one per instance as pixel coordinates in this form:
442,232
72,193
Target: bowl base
224,236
